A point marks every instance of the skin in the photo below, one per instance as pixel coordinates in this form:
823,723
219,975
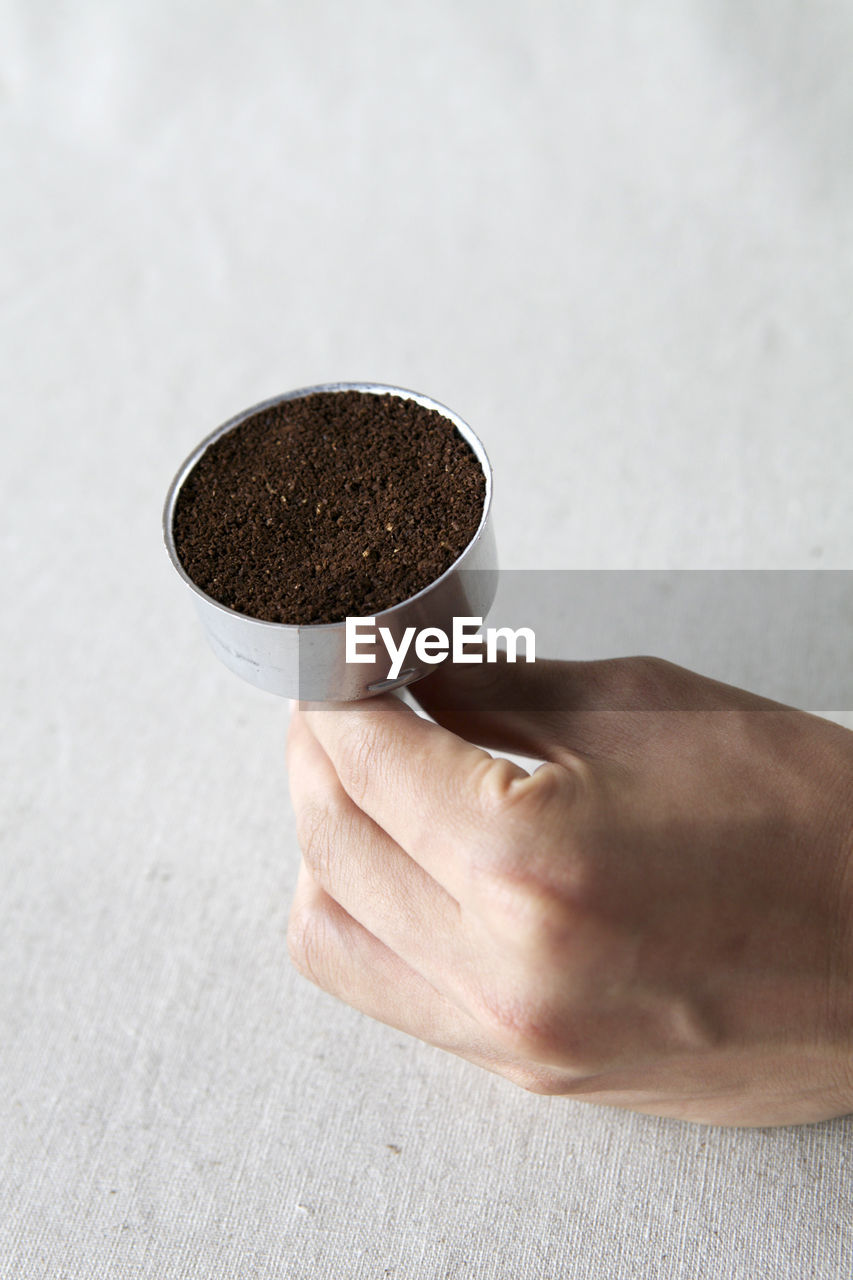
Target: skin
659,917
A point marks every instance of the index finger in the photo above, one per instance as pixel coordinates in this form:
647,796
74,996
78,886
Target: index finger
430,790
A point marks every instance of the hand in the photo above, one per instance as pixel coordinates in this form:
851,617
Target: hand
660,917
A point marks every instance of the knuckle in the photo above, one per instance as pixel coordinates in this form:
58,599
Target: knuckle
529,917
494,783
520,1027
570,1037
529,865
550,787
546,905
512,802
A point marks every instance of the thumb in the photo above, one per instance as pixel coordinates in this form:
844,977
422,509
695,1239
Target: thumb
548,708
532,709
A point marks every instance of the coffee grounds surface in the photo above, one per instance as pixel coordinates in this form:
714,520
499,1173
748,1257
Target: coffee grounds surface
340,504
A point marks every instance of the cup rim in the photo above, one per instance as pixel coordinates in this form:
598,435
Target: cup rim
301,393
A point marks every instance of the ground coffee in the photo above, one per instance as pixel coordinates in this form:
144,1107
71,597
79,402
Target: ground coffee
339,504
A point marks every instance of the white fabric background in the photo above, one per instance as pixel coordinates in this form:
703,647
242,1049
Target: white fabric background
616,238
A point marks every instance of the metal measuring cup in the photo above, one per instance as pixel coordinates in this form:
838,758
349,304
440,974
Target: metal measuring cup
308,663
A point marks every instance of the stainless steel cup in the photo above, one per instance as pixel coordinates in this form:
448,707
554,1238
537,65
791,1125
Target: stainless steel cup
309,662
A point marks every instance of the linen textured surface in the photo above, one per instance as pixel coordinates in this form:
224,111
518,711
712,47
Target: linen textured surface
615,238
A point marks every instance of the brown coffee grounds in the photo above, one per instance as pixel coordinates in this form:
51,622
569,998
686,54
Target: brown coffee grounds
340,504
